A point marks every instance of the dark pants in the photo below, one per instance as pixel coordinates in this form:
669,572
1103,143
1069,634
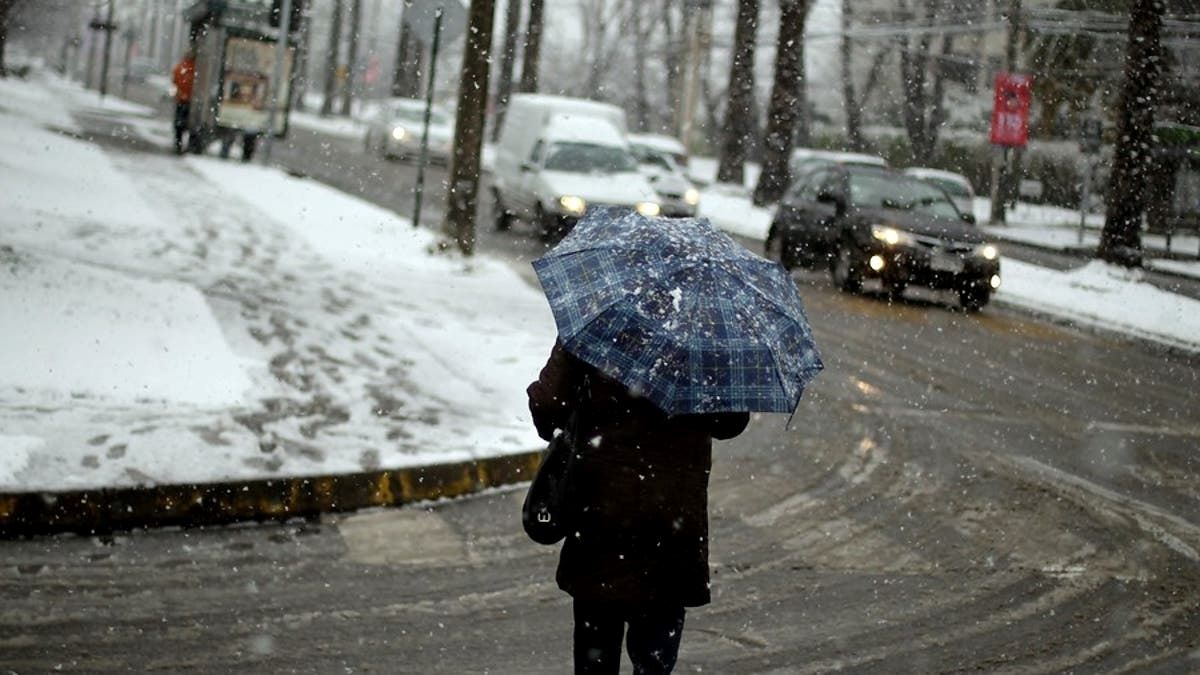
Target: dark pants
181,121
652,640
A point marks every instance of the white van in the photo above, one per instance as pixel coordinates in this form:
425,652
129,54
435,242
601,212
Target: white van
557,156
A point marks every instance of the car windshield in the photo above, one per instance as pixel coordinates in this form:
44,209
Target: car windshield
651,157
873,191
953,188
589,158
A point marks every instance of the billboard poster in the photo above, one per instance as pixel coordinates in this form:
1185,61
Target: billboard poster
245,85
1010,110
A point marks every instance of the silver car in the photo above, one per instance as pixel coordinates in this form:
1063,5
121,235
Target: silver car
395,130
677,196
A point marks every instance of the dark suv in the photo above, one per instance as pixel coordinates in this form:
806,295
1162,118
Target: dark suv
868,222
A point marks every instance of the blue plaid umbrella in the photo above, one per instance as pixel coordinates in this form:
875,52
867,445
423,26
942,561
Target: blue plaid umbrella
680,313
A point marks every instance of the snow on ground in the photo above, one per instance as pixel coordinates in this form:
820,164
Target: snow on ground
1107,296
343,127
179,320
1058,228
1036,215
703,170
731,210
157,339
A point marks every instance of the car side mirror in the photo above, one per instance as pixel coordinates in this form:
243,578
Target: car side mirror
827,197
968,218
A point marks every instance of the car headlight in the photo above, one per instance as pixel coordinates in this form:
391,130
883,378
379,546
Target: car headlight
572,204
692,196
399,133
890,235
987,252
648,209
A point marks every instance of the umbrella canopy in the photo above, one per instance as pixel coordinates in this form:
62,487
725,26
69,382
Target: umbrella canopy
680,313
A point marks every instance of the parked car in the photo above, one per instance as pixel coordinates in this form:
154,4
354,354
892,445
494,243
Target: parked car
678,197
875,223
955,184
664,144
803,160
558,156
396,128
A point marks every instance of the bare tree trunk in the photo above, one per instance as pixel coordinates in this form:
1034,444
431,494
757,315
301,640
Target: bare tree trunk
913,73
1121,240
410,61
673,61
508,58
786,99
739,125
533,46
331,56
463,194
351,88
851,103
5,9
641,103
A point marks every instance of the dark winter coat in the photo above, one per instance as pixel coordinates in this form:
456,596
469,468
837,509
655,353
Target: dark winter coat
640,484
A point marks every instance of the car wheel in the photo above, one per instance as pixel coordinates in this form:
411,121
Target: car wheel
894,288
547,225
771,244
775,248
845,273
974,297
503,217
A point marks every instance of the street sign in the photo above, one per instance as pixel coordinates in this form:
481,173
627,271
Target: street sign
1010,110
419,16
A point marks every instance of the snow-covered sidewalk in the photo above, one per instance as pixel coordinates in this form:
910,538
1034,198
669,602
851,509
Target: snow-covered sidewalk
174,320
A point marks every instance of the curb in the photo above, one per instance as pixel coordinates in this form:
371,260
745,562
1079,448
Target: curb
106,510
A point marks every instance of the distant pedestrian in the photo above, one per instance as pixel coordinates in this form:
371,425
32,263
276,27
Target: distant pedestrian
637,555
183,77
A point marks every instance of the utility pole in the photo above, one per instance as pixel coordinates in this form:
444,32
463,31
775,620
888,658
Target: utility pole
697,42
350,90
1002,173
468,127
331,63
278,86
107,27
424,157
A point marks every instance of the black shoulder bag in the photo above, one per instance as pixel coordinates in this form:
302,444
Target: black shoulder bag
546,513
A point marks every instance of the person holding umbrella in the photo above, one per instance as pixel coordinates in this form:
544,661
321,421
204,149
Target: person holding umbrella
669,335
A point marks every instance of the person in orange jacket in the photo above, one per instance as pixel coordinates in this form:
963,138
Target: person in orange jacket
184,77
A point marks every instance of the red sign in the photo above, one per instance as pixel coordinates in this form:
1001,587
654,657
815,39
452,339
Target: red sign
1010,109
